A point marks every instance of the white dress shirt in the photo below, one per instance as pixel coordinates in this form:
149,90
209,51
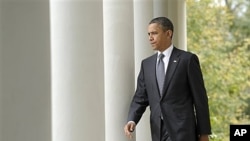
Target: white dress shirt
167,54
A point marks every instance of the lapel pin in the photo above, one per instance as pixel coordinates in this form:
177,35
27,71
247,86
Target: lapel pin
175,61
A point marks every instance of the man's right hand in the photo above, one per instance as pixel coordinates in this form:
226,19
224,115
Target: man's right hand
129,129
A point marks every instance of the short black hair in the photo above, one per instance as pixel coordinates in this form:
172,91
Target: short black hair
164,22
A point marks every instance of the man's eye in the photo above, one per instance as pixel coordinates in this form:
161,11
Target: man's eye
152,33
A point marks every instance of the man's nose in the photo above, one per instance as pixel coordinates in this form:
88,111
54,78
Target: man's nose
150,38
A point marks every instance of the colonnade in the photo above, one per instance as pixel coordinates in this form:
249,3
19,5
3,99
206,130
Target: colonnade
68,68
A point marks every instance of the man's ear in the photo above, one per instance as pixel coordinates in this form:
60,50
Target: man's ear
170,33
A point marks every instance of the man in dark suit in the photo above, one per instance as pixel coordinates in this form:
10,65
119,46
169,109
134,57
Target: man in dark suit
177,97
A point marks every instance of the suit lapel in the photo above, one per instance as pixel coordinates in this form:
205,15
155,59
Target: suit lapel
172,64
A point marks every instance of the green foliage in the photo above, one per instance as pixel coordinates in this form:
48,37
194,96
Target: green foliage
224,51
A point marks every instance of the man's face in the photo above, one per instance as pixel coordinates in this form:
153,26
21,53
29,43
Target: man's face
159,39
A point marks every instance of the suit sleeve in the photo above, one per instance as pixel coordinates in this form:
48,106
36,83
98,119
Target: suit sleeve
199,96
140,100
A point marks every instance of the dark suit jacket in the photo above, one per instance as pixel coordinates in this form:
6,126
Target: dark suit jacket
184,104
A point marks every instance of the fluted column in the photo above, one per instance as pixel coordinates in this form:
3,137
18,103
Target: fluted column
143,13
119,65
77,70
25,70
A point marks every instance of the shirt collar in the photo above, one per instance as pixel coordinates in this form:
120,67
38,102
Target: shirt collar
167,52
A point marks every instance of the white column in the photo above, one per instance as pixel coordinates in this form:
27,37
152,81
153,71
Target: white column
175,10
77,70
119,65
1,70
160,8
25,68
142,50
177,13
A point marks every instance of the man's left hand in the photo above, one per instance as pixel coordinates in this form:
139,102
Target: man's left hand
204,138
